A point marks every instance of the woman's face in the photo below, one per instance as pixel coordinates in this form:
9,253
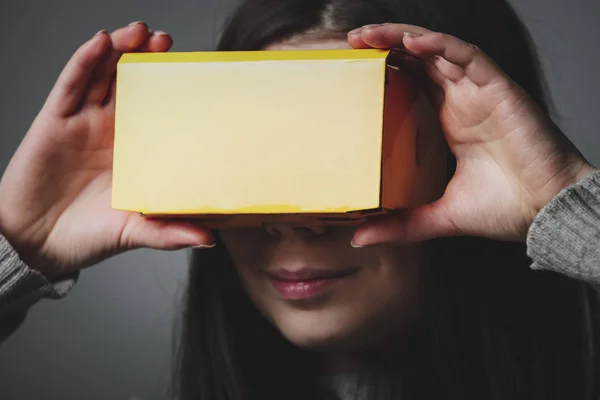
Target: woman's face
317,289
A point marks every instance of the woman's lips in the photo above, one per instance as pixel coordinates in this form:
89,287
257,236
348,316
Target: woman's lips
306,283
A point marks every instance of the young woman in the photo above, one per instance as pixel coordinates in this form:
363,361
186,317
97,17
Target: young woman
439,302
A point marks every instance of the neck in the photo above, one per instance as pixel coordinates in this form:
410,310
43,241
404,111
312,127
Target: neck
374,372
363,376
395,352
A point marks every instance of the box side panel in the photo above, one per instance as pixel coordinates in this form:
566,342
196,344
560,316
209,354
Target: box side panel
414,147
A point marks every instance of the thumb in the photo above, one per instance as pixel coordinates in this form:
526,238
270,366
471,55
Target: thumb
164,234
411,225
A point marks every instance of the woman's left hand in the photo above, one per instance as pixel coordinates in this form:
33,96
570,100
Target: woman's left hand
511,158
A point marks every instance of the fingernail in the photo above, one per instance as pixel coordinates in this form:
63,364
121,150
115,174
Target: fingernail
204,246
160,33
357,30
355,245
372,26
101,32
411,35
137,23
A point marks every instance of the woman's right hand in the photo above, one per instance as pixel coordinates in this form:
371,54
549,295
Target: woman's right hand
55,193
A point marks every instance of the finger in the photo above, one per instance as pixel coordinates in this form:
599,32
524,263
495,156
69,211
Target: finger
126,39
99,82
392,36
111,93
435,95
423,223
426,73
435,74
164,234
129,38
477,66
443,71
66,95
157,41
382,36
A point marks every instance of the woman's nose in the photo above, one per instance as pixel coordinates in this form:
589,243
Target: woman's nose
290,231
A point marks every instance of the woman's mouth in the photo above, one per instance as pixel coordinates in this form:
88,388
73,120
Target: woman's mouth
306,283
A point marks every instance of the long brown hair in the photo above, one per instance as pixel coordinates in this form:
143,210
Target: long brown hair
496,329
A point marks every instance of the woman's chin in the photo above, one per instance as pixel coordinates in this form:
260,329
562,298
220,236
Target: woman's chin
321,334
319,341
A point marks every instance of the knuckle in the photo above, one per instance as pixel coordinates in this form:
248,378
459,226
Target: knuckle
439,36
474,48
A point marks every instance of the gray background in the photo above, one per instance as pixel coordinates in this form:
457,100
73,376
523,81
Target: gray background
110,338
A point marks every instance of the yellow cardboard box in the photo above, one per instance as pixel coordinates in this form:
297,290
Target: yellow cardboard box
242,138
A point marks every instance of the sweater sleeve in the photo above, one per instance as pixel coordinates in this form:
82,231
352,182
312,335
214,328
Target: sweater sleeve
21,287
565,235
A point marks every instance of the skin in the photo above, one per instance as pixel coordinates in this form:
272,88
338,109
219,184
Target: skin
373,305
512,160
59,179
380,299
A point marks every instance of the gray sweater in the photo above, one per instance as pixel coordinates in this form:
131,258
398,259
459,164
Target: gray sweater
565,238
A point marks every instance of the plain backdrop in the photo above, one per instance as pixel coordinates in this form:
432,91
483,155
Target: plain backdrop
110,338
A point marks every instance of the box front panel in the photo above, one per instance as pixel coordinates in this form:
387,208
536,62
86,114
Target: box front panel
248,137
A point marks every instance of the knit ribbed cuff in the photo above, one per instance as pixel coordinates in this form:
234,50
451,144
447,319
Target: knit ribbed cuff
565,235
21,287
